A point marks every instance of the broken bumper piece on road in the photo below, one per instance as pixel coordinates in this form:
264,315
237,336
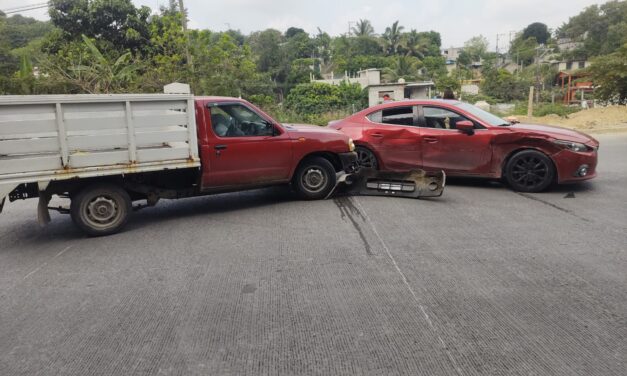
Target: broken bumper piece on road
411,184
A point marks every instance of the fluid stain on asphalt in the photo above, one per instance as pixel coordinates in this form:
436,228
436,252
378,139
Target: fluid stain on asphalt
249,288
526,195
349,211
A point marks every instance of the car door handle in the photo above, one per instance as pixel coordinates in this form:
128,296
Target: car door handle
430,140
220,147
378,135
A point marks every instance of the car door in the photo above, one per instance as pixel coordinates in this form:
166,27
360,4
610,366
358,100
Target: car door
244,148
393,134
446,148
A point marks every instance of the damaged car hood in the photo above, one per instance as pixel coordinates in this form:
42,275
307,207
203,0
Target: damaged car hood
556,132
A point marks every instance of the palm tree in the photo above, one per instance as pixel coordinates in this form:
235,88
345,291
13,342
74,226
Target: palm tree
405,67
101,74
363,28
416,44
392,36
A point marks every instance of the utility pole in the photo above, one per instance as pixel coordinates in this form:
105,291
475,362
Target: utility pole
350,24
188,54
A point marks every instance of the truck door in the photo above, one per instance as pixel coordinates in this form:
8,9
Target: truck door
243,148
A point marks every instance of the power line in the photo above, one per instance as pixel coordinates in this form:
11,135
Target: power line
25,8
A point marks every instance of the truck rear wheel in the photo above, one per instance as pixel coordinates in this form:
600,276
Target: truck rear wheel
101,210
314,178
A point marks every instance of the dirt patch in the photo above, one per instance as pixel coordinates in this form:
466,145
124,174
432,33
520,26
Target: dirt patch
602,119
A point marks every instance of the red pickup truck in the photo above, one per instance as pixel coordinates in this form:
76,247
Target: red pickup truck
105,152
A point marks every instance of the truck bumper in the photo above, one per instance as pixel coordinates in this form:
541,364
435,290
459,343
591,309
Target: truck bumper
349,161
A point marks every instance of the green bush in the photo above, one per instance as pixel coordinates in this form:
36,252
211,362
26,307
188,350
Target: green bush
317,98
556,109
544,109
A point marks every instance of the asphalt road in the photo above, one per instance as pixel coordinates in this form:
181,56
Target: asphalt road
481,281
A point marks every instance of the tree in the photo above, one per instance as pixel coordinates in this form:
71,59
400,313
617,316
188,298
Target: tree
434,67
392,37
523,50
609,74
293,31
115,24
316,98
476,47
405,67
416,44
600,28
267,47
537,30
313,98
86,67
363,28
501,84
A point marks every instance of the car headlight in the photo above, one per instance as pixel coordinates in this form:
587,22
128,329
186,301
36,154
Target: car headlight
351,144
572,146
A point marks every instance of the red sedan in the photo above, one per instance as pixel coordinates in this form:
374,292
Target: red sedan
464,140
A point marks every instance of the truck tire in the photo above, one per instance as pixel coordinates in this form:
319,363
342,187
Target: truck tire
314,179
101,209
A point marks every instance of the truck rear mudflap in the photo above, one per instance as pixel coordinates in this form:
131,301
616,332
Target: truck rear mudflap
410,184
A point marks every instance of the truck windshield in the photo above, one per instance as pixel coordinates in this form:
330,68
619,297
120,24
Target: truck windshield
483,115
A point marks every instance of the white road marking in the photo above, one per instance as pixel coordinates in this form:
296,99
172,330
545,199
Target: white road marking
411,290
46,263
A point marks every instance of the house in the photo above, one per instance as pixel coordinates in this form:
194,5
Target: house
370,79
364,78
399,91
572,65
574,85
567,44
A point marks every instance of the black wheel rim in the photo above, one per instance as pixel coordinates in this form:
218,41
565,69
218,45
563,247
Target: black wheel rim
530,171
366,159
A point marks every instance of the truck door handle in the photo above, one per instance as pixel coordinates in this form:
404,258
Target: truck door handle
220,147
430,140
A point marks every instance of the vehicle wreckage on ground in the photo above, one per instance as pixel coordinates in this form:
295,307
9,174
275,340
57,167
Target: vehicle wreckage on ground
105,152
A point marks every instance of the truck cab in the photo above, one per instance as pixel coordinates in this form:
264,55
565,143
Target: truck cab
241,146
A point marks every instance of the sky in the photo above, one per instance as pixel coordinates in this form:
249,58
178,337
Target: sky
456,20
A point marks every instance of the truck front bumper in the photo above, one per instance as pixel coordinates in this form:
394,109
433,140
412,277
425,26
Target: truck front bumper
349,162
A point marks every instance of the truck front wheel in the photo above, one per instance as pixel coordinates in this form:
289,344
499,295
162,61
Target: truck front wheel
101,209
314,178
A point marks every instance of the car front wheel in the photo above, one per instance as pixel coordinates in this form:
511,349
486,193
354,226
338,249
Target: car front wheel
314,179
529,171
366,158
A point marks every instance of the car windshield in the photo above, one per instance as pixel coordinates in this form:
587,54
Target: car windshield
483,115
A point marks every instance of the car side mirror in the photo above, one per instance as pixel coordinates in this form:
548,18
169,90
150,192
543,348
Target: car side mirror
465,126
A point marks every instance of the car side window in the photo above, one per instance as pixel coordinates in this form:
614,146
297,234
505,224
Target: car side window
440,118
394,115
236,120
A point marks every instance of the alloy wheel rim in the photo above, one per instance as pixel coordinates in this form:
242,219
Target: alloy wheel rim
365,158
530,171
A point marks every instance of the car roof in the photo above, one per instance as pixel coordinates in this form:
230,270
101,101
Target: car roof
408,102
